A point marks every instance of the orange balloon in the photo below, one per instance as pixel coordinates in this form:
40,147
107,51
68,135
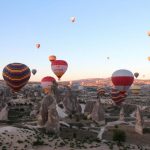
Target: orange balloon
148,58
148,33
52,58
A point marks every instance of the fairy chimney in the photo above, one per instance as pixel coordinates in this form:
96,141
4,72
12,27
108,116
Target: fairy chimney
121,117
139,122
98,113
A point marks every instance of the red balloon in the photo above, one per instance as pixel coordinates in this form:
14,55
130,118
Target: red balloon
47,82
117,96
101,91
38,45
59,67
122,79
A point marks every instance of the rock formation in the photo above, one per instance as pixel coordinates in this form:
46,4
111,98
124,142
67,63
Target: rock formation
4,113
48,116
98,113
89,107
139,122
71,103
121,116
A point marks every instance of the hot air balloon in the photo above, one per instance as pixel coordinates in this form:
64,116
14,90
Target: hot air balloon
136,74
148,33
148,58
122,79
117,96
16,75
37,45
34,71
73,19
52,58
59,67
47,82
101,91
135,89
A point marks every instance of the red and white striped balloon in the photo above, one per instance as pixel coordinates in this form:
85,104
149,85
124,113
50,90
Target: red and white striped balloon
122,79
59,67
117,97
47,82
101,91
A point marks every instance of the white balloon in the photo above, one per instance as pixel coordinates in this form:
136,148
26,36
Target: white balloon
73,19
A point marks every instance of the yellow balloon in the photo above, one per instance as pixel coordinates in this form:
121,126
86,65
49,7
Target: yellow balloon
135,89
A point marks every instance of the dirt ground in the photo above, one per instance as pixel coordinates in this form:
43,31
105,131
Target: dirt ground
131,136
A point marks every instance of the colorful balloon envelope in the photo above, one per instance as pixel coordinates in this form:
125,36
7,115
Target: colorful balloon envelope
37,45
16,75
135,89
34,71
101,91
47,82
59,67
122,79
117,96
52,58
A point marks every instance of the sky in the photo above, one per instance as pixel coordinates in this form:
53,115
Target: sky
103,28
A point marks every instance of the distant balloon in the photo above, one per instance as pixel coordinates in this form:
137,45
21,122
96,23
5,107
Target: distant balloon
59,67
38,45
136,74
101,91
16,75
117,96
148,58
47,82
52,58
34,71
135,89
148,33
122,79
73,19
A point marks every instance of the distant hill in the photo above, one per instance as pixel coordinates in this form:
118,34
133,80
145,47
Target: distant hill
93,81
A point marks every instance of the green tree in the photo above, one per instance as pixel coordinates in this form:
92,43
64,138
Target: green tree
119,135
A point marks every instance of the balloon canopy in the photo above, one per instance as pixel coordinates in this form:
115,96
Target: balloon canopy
101,91
16,75
59,67
136,74
52,58
47,82
73,19
117,96
135,89
122,79
34,71
38,45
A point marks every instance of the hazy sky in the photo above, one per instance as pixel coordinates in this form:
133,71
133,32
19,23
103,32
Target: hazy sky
103,28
